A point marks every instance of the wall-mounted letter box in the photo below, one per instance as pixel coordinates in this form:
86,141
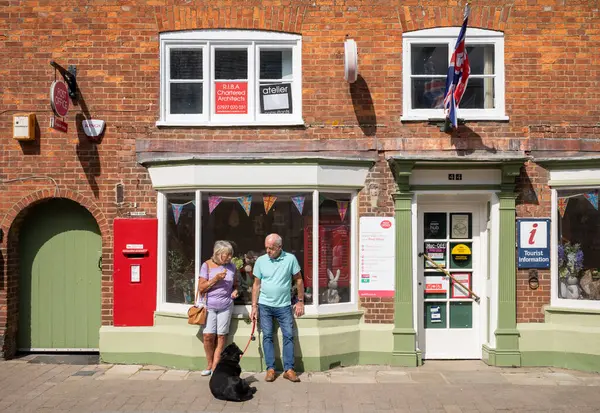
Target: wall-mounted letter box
134,275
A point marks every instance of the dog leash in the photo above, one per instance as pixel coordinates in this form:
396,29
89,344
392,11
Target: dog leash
252,338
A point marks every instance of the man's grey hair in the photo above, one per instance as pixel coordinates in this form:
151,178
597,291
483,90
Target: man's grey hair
276,239
221,247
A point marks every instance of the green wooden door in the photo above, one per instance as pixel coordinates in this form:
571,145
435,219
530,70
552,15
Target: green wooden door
60,276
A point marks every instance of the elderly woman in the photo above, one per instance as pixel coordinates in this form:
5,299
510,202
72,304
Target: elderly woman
218,281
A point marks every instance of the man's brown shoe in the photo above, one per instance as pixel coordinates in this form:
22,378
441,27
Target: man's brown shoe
291,376
270,375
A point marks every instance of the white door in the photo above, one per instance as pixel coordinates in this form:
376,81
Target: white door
449,317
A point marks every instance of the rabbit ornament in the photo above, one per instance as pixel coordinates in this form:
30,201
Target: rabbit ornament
331,294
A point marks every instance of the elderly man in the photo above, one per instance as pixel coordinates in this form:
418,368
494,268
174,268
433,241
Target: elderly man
271,297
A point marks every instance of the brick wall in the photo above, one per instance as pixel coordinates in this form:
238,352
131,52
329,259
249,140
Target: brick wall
551,101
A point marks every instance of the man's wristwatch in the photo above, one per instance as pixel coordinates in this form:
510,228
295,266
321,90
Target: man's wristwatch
301,300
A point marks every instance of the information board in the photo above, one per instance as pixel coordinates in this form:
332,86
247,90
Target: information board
377,258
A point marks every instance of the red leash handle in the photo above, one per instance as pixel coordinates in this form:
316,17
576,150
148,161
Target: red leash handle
252,338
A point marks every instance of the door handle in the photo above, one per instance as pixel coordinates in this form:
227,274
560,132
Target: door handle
100,262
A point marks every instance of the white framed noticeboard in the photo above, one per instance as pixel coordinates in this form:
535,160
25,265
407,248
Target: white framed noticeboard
377,257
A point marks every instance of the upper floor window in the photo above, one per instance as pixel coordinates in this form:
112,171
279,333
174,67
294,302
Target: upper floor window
230,77
426,57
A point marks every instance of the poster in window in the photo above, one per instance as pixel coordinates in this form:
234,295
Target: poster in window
435,225
460,225
437,252
231,98
457,290
276,98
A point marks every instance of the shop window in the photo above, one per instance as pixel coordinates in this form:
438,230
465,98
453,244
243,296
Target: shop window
180,254
246,228
426,58
578,245
334,267
230,77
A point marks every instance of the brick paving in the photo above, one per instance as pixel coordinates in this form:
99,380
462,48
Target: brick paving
448,387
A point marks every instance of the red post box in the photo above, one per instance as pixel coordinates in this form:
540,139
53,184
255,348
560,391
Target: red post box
134,276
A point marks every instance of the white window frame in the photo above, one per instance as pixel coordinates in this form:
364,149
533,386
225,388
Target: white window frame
310,309
441,35
555,300
208,40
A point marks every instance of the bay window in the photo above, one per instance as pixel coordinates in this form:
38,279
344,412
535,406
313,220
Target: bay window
577,272
191,222
230,77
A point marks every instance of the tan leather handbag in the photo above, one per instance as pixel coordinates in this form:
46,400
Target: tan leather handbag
198,312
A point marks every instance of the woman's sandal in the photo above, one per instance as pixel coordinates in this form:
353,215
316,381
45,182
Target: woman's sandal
206,372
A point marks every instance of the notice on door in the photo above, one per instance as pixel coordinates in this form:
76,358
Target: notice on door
231,98
377,257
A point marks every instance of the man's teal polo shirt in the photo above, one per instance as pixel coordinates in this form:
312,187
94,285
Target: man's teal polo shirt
276,278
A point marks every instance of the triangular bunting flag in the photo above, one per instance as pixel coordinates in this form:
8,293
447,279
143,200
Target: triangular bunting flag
177,208
592,196
193,203
246,203
213,201
342,208
299,202
321,199
269,201
562,206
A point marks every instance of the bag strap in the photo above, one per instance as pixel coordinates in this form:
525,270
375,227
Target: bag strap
198,289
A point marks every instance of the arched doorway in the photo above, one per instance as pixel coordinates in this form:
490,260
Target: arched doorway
59,278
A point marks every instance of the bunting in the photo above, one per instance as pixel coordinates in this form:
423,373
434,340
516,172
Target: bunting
321,199
246,203
299,202
269,201
562,206
342,208
177,208
213,201
592,196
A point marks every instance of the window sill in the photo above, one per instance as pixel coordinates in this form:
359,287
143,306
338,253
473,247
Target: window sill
574,307
163,123
324,311
482,118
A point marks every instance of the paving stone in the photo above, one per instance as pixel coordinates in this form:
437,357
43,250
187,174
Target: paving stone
120,370
145,375
432,378
391,376
318,377
174,375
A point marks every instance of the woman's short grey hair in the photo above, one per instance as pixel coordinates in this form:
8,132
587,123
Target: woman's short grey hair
221,247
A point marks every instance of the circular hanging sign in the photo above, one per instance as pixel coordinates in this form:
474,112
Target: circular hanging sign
350,61
59,98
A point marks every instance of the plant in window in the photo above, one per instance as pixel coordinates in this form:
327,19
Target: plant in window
570,264
181,274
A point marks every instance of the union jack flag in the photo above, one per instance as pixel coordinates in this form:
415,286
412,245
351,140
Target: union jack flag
458,74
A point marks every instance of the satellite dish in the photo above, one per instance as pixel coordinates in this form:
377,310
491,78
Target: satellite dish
350,61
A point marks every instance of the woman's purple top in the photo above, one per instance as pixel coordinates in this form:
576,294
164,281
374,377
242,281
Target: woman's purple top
219,296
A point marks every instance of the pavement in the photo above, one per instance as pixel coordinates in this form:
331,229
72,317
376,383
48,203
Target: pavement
49,384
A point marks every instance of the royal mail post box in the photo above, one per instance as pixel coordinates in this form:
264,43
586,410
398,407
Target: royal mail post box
134,275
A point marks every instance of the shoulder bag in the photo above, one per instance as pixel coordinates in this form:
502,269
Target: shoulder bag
198,312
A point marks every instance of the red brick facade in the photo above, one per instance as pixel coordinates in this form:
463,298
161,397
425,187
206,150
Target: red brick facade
552,67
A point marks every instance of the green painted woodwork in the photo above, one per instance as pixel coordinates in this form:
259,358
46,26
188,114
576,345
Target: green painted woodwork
446,188
59,285
507,337
404,330
324,342
569,338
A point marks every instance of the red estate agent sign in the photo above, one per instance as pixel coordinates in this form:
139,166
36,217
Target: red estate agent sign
59,98
231,98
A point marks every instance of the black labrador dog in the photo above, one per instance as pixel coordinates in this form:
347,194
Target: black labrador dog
225,382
